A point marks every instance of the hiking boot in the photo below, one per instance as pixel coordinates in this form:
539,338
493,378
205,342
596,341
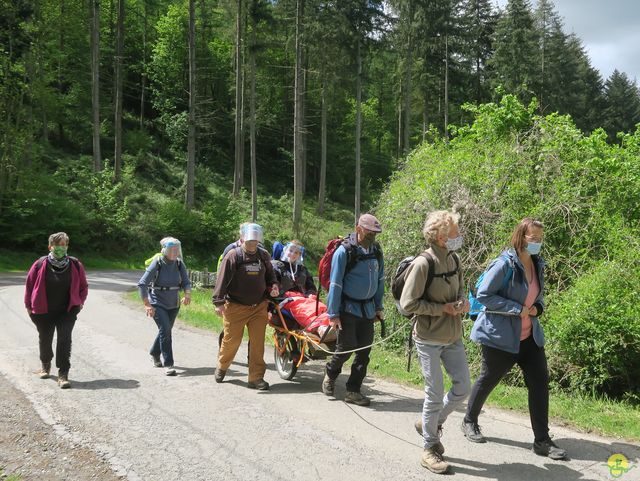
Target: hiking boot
438,447
44,371
260,385
328,385
549,448
357,399
169,371
219,375
63,381
472,432
434,461
156,361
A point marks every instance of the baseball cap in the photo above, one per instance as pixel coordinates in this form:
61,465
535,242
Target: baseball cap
370,223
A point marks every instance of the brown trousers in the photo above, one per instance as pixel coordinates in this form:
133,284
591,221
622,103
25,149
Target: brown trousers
235,317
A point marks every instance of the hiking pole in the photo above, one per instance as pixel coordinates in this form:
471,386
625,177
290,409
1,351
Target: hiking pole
409,350
383,329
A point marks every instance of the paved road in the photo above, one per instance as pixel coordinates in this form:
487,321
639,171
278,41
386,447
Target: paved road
152,427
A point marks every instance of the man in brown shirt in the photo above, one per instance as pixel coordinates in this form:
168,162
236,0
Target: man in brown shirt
239,296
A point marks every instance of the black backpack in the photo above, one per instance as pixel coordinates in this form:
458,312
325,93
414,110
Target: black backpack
400,276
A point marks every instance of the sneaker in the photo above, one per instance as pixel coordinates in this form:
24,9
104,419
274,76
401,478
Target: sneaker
328,385
357,398
438,447
549,448
434,461
472,432
63,381
44,371
169,371
260,385
219,375
156,361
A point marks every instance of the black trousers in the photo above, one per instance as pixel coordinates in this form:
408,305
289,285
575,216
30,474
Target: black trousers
62,323
356,332
496,364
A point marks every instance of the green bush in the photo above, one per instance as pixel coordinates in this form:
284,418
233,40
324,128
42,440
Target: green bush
509,164
593,331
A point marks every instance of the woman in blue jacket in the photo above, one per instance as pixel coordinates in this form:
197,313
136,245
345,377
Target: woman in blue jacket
159,289
510,333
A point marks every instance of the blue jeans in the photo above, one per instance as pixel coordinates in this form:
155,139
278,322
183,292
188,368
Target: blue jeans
437,406
165,318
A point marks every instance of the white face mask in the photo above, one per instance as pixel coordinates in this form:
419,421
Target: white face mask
454,244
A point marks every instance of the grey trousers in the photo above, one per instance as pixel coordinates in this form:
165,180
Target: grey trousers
437,406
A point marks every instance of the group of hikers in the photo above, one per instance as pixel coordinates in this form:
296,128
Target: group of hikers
433,295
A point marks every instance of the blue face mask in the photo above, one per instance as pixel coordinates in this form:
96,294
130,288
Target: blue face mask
533,248
454,244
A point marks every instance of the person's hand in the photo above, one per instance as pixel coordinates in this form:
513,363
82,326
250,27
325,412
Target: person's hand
335,323
275,290
186,300
379,316
450,308
220,310
29,311
80,307
524,313
533,311
150,310
464,306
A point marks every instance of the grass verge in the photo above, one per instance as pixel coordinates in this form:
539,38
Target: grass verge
600,416
10,477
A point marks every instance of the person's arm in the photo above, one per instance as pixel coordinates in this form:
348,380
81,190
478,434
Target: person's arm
379,296
338,266
489,289
28,288
84,285
186,284
270,277
143,286
225,275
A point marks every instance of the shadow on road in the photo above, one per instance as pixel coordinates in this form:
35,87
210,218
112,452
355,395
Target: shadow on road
106,384
510,471
195,371
580,449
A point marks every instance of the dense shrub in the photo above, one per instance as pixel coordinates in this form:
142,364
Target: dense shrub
593,330
511,163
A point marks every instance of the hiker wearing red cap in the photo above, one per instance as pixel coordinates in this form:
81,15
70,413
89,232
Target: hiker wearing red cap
354,303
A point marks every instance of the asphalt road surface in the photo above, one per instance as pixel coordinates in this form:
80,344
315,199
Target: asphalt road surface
147,426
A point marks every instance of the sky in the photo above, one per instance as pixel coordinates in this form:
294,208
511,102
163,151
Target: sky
609,30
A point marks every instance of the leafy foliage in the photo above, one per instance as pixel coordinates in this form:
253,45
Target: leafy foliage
511,163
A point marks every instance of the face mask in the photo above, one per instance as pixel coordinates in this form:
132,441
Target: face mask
454,244
369,239
533,248
59,251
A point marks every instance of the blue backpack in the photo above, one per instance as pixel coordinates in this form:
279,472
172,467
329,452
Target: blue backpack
475,305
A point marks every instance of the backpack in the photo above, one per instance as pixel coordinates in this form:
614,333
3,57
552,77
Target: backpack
400,277
351,247
475,305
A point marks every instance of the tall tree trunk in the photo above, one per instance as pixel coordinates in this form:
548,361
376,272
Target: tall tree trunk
191,142
117,128
407,83
304,123
252,119
425,116
143,74
239,160
358,130
298,122
446,86
60,53
95,84
323,145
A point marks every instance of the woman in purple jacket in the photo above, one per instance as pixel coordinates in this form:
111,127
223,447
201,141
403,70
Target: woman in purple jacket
54,295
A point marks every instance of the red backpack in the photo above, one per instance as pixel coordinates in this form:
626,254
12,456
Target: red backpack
324,267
